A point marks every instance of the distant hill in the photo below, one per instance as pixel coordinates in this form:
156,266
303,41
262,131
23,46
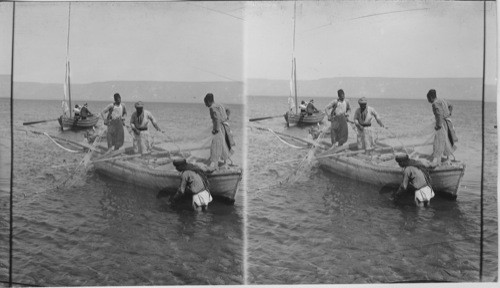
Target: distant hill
232,92
131,91
376,87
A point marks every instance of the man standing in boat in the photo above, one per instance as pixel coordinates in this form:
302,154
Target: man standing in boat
303,107
416,176
363,120
115,120
194,180
84,111
339,117
303,110
222,142
139,123
444,142
311,109
77,111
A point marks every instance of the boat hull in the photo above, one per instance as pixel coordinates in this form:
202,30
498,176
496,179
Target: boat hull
223,184
445,179
297,119
70,122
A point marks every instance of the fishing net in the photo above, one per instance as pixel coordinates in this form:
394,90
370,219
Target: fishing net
304,168
418,144
78,174
196,149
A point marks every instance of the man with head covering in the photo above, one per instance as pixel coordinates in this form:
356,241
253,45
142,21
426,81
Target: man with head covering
115,120
303,110
303,107
446,138
193,180
310,109
84,111
339,115
363,119
222,142
139,123
415,176
77,110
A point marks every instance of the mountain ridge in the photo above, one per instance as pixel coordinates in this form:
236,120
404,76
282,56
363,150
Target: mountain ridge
232,92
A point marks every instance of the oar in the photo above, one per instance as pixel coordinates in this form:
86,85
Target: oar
264,118
79,144
41,121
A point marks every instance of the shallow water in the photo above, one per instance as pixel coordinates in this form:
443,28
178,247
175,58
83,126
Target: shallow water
101,232
319,228
322,228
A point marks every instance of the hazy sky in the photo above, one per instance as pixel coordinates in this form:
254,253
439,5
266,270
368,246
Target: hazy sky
223,41
369,38
172,41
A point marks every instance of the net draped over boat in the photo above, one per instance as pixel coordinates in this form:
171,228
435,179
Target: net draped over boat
198,146
418,144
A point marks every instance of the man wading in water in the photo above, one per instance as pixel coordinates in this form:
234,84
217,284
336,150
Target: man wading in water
194,180
415,174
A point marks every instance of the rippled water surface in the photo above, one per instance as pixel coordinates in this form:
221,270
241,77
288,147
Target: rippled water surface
322,228
102,232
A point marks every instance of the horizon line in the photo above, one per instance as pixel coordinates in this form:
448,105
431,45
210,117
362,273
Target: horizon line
237,103
284,96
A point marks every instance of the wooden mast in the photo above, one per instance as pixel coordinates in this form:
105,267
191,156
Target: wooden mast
67,80
294,61
295,85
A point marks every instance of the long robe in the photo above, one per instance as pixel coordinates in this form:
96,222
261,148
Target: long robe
339,130
445,139
222,142
116,135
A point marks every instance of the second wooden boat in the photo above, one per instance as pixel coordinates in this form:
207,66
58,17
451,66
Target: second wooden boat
67,119
298,119
78,123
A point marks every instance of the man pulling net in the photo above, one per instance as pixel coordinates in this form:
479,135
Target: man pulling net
194,180
415,176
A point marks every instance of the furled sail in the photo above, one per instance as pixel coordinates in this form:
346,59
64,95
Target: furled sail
291,98
67,92
65,108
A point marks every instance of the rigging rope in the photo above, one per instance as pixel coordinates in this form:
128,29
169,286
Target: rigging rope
283,141
59,145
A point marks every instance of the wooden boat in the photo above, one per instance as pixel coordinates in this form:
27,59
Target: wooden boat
78,123
382,170
298,119
293,115
157,173
67,119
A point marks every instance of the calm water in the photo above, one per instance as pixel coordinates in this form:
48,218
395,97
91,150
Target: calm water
102,232
321,228
318,229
